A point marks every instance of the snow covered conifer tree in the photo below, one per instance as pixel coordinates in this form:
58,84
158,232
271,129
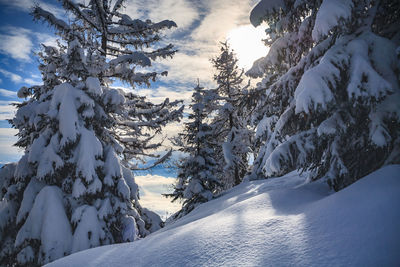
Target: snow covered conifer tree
231,120
196,181
72,189
331,103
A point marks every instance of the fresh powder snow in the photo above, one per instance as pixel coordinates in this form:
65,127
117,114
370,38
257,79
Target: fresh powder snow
275,222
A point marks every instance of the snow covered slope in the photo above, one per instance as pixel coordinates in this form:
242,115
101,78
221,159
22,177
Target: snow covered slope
275,222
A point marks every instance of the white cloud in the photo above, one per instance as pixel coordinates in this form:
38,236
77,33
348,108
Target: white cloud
18,79
199,42
170,130
182,12
185,69
224,15
7,111
14,77
26,5
201,25
16,43
8,152
158,94
151,187
46,39
29,81
7,93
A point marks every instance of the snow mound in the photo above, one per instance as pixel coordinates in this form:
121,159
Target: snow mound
275,222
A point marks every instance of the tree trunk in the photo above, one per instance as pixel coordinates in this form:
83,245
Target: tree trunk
104,44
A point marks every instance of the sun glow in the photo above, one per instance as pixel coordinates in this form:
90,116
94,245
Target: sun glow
246,41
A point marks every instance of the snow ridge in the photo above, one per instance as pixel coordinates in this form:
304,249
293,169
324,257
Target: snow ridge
274,222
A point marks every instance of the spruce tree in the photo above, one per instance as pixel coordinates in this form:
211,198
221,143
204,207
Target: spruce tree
73,189
196,182
231,119
330,103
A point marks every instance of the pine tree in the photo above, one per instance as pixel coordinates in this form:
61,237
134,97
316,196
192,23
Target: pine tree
231,120
72,189
330,103
196,181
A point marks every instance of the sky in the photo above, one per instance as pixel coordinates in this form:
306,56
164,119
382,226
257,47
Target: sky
202,24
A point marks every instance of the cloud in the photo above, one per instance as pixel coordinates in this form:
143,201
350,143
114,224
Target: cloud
182,12
223,16
151,187
16,43
12,76
197,41
26,5
29,81
7,93
8,152
158,94
169,131
201,25
185,68
7,111
17,79
46,39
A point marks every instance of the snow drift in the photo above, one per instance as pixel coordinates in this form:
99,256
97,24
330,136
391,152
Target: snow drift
276,222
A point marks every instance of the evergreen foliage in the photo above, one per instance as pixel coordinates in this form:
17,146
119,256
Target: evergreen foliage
196,182
231,119
73,188
330,102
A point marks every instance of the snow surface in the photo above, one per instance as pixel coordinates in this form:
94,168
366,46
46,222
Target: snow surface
276,222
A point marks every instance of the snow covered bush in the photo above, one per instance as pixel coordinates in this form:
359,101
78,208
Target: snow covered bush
331,97
196,182
231,118
73,189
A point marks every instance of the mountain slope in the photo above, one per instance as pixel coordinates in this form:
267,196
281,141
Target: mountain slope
275,222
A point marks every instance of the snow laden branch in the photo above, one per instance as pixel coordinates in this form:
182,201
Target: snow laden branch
230,122
72,190
328,90
141,123
197,181
160,160
126,41
41,14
